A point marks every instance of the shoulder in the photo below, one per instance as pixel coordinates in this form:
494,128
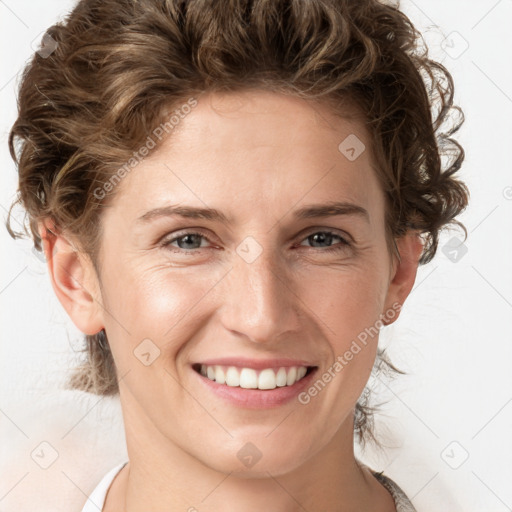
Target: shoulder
402,502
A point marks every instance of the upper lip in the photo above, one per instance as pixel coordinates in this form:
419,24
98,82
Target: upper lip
256,364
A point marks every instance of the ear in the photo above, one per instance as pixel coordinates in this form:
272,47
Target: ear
403,274
73,279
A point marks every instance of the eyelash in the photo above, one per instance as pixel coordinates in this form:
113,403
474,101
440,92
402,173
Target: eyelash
340,246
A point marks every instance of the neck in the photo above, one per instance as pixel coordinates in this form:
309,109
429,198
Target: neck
162,476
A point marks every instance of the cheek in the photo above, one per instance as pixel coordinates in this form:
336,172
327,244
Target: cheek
350,306
168,306
159,304
347,301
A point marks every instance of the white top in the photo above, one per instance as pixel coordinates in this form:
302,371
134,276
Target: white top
97,497
96,500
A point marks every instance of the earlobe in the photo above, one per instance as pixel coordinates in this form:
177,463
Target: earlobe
410,247
73,280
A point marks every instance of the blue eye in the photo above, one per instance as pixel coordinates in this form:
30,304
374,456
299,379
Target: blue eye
190,241
323,237
189,238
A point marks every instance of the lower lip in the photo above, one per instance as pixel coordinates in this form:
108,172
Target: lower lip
257,398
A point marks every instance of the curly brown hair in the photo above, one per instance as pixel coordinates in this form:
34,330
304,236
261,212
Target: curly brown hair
114,69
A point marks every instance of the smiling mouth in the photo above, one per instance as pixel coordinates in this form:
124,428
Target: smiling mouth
249,378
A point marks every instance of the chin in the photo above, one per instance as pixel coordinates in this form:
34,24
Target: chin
257,460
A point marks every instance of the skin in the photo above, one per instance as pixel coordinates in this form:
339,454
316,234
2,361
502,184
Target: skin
257,157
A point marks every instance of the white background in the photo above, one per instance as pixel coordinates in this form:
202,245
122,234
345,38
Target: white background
447,425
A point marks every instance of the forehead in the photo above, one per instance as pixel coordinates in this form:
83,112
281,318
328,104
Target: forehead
253,148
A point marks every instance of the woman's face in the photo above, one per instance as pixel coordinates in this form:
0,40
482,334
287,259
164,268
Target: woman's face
252,284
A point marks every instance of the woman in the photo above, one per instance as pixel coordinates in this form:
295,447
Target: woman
182,165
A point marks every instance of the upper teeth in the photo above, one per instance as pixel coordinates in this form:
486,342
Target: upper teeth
250,379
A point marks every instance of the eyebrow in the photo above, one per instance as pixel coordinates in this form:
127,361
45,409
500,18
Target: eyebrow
329,209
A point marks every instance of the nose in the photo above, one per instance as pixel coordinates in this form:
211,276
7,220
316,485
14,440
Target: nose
259,300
